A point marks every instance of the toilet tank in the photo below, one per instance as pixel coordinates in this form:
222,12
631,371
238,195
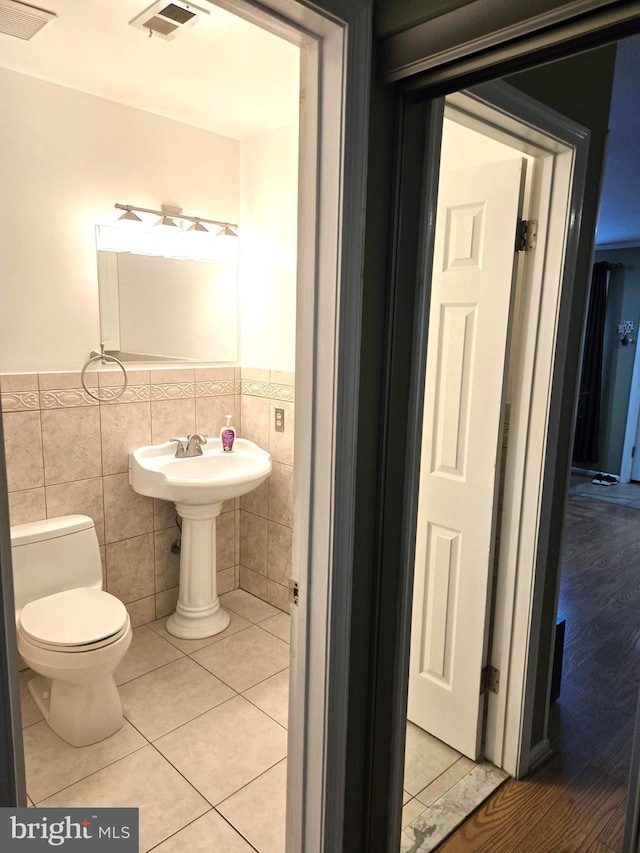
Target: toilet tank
54,555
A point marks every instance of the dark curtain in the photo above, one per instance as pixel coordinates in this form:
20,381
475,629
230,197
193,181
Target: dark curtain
585,446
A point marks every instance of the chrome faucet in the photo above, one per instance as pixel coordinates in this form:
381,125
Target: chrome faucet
191,446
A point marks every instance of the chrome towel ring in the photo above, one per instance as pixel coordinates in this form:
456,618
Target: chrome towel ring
104,358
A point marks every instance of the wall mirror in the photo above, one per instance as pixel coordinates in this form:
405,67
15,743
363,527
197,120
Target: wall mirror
154,308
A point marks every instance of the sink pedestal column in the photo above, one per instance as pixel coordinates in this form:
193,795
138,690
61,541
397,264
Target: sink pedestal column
198,612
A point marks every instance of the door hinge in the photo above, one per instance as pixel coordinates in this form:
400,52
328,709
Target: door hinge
490,680
526,235
294,592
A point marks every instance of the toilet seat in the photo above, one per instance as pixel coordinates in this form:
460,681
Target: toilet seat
76,620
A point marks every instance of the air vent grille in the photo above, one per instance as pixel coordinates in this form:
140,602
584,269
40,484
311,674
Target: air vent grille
177,13
22,21
160,26
167,19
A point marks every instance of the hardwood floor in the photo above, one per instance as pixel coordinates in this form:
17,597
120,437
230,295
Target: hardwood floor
576,802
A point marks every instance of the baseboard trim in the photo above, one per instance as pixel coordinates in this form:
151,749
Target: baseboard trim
539,755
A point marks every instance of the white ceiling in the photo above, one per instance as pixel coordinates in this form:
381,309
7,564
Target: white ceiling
222,74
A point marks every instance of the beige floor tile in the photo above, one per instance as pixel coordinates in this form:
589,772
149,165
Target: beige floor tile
52,764
279,625
411,810
426,758
272,697
445,781
245,659
147,652
209,834
258,811
225,748
187,646
247,605
168,697
144,780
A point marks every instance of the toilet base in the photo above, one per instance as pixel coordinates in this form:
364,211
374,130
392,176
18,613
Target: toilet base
81,714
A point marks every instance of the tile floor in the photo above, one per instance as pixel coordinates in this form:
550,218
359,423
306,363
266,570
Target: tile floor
202,752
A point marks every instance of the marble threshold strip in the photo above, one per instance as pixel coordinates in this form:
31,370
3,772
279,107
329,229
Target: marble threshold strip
441,818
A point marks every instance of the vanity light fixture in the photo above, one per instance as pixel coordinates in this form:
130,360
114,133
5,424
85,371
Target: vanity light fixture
197,241
129,216
168,216
198,227
166,222
176,213
227,239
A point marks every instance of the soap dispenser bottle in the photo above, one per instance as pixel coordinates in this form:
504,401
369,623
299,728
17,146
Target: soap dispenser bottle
227,435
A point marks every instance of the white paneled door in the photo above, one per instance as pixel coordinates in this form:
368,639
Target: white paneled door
471,300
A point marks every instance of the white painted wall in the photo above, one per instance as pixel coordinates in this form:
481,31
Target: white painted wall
268,216
67,157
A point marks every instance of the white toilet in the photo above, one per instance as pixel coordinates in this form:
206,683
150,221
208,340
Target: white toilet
69,631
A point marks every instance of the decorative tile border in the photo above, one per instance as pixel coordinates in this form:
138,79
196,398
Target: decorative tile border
24,401
67,398
254,388
132,394
283,392
216,388
172,391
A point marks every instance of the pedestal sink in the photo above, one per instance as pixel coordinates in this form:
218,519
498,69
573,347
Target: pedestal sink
198,485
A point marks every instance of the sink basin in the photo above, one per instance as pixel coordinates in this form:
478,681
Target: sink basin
198,485
198,480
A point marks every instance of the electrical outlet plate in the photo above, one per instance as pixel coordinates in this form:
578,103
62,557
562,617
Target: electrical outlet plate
279,420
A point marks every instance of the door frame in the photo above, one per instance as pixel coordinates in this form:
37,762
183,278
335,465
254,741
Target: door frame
633,419
417,103
335,39
459,59
493,38
422,122
560,148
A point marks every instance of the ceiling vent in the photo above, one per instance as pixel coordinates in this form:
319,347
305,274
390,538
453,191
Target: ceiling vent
22,21
167,19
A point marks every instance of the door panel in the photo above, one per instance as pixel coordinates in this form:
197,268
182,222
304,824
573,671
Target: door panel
474,263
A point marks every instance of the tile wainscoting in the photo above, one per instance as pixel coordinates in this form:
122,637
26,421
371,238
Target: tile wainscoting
68,453
266,514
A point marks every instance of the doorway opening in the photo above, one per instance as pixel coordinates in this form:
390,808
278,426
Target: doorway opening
316,276
500,562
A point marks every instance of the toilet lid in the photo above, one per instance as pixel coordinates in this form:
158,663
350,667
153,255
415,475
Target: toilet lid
76,617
